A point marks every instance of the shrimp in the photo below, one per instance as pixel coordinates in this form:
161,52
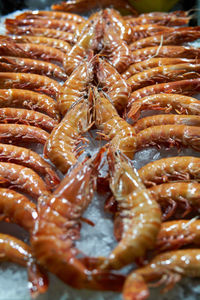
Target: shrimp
165,120
181,168
62,25
16,251
75,86
30,159
177,13
181,194
154,63
28,117
22,178
58,224
26,65
185,87
51,33
167,102
112,126
140,214
30,100
167,268
111,83
38,14
165,20
174,135
38,83
164,74
41,40
61,146
177,37
175,234
22,133
165,51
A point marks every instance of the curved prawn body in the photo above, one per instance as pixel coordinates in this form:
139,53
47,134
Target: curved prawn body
167,268
173,135
44,14
62,145
177,37
166,52
113,127
180,168
183,194
26,65
164,74
28,117
111,83
16,251
139,212
30,159
58,224
37,83
29,100
22,178
165,20
176,234
166,120
22,133
75,86
185,87
154,63
62,25
165,102
50,33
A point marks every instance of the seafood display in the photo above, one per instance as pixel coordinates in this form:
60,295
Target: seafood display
125,84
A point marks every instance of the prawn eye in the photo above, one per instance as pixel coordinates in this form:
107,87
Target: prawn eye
108,23
85,96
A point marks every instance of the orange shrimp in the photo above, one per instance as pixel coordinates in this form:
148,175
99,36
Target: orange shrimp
111,83
51,33
177,13
112,126
38,83
167,268
75,86
154,63
22,178
62,25
173,135
16,251
58,224
182,194
30,159
175,234
22,133
28,117
166,20
144,123
164,74
185,87
165,51
38,14
140,214
167,102
61,146
176,37
181,168
30,100
26,65
41,40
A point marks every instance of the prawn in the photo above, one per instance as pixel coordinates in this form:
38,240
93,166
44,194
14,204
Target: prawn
168,268
29,100
38,83
30,159
26,65
58,224
167,102
173,135
165,20
179,168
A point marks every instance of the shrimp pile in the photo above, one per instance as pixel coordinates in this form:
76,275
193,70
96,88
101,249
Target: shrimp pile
63,75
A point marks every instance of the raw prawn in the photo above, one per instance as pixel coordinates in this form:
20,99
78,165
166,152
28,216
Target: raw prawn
165,20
